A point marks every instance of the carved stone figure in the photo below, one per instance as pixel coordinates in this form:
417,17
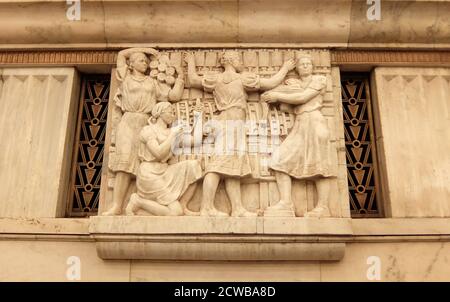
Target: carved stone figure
304,154
136,97
162,189
229,89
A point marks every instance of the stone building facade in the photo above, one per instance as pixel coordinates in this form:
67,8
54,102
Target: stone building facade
361,97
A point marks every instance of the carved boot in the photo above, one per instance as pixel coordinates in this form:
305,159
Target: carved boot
319,211
281,209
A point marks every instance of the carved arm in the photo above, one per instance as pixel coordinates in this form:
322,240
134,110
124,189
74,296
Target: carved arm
123,56
195,81
176,92
297,98
276,79
161,151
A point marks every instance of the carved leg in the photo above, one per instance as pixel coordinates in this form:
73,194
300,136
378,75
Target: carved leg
284,207
284,184
186,197
233,188
323,191
210,184
137,202
121,184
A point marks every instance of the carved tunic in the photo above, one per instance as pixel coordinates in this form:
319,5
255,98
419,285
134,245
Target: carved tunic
157,180
306,150
231,99
136,98
230,91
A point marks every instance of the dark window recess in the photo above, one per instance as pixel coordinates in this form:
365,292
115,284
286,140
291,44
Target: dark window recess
89,145
360,146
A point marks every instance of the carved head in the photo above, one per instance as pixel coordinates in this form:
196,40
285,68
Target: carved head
232,57
164,111
304,64
139,62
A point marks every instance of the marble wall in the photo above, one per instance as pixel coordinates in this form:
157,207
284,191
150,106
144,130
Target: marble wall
46,261
412,110
37,114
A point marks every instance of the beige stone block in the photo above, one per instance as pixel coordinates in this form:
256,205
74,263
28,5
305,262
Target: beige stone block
46,22
307,226
47,261
217,238
230,271
172,21
401,226
413,130
307,23
37,118
294,21
54,226
401,22
399,262
172,225
217,249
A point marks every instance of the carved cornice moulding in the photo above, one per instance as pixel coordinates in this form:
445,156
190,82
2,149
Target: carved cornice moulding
338,57
343,23
346,57
101,57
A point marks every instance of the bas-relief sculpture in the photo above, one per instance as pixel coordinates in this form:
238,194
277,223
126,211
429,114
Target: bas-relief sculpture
138,94
305,152
154,122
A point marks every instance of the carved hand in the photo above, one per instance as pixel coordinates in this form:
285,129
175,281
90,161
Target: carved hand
289,65
189,58
176,130
180,71
269,97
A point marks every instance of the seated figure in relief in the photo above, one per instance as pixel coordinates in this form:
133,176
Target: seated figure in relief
304,154
163,189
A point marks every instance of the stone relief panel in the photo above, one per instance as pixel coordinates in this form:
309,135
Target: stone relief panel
242,133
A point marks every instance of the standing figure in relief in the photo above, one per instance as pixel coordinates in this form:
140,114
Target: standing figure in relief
229,89
162,189
136,97
304,154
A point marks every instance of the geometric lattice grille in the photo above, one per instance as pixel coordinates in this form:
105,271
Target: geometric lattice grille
361,163
90,140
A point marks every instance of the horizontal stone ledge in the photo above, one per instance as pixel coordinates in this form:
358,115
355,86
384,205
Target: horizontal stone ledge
219,225
401,226
50,226
221,251
214,238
